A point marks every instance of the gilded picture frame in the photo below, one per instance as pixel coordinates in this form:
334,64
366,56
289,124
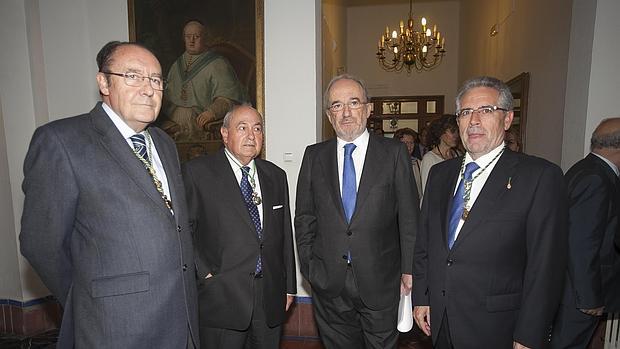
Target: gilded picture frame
234,29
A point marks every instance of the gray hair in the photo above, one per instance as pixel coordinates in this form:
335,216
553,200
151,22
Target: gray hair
228,116
344,77
607,140
505,96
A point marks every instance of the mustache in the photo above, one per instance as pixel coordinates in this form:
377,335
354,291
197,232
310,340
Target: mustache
474,130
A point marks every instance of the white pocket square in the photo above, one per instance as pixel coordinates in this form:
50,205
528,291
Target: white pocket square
277,207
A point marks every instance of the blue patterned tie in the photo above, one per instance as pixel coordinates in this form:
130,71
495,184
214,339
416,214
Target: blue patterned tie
349,189
246,191
139,144
458,203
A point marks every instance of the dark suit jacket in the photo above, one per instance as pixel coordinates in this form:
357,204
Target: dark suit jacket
594,264
100,237
381,233
502,279
227,246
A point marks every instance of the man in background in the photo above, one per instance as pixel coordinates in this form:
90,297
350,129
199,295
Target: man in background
105,220
593,274
202,87
491,251
355,223
240,214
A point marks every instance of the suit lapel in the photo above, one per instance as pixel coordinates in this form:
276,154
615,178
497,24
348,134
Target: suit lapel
168,159
230,187
375,157
489,198
329,164
114,143
452,175
267,187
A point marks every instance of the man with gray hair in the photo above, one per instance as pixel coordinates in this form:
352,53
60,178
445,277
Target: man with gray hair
356,217
593,273
241,223
491,250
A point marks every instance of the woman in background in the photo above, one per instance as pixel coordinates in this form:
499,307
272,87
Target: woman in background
443,138
409,137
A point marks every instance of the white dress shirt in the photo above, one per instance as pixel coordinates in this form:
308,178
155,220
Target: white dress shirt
358,155
127,132
478,183
235,165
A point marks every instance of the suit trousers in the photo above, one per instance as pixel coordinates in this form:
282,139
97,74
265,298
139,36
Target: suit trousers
443,337
345,322
258,335
572,329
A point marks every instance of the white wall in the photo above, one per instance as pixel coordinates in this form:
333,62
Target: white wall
365,24
292,85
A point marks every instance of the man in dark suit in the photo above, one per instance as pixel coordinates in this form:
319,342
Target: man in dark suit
241,223
593,274
491,250
105,221
355,222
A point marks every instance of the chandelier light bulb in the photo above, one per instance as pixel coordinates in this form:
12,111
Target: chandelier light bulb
419,49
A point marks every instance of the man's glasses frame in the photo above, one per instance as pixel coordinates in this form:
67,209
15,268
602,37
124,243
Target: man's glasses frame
339,106
136,80
485,110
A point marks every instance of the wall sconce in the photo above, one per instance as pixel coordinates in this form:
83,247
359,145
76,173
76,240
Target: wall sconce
496,26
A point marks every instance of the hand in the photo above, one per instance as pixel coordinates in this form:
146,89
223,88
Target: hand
517,345
289,301
593,312
406,282
422,316
204,118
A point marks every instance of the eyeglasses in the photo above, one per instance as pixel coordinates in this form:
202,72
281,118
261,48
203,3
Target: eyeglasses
339,106
485,110
134,79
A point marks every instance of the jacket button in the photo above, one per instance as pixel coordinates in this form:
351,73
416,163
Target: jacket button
443,292
349,233
450,262
184,267
179,228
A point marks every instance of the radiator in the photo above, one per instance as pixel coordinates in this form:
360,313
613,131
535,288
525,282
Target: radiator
612,331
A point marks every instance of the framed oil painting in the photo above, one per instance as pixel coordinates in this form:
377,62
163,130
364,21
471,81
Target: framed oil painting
211,53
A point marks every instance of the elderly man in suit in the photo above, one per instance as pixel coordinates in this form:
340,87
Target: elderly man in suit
355,222
491,251
241,222
105,221
593,274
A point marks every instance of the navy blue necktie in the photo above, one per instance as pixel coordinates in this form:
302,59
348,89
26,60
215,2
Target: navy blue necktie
139,144
458,203
246,191
349,188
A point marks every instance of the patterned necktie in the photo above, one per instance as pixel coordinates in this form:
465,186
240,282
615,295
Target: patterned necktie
139,144
349,189
457,203
246,191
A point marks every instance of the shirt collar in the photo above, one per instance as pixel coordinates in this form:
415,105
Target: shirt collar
235,163
611,164
360,141
124,129
486,158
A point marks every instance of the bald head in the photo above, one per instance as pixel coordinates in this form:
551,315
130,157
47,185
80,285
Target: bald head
606,140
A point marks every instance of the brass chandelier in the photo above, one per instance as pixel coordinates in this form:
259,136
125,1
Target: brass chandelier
420,50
